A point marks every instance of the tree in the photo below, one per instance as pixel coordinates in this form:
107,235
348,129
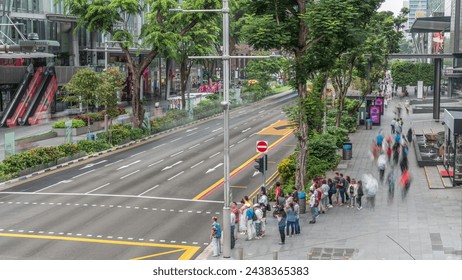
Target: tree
111,82
159,32
82,89
314,31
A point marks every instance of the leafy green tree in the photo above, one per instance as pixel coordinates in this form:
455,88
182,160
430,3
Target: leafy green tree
82,89
314,32
112,81
160,30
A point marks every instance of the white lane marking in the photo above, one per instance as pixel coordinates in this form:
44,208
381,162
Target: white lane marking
98,188
231,146
261,111
155,163
197,164
170,166
114,195
192,147
190,134
114,162
209,139
158,146
60,182
180,152
129,174
207,128
215,130
218,123
252,135
245,123
148,191
213,169
191,129
221,134
240,141
125,166
92,164
174,140
85,173
214,155
175,176
245,130
138,153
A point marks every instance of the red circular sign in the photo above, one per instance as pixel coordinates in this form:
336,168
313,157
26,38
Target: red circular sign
262,146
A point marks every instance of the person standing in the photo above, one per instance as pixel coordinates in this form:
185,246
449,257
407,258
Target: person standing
215,236
325,190
291,218
249,222
232,231
353,190
279,195
312,207
236,212
359,193
281,225
297,218
332,191
263,220
259,215
392,124
341,188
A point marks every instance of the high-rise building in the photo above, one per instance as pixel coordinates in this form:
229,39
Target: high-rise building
417,8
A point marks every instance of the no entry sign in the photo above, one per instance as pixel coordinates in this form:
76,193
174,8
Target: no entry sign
262,146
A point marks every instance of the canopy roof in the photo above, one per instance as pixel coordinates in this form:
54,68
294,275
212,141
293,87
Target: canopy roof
431,24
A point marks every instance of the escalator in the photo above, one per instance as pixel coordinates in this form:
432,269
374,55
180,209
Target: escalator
47,87
18,95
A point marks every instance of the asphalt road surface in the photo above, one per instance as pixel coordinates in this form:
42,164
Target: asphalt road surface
153,200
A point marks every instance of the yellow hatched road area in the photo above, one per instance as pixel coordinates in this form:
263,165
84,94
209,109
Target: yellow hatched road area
280,127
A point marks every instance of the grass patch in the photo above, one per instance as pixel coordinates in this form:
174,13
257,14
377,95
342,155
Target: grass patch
280,89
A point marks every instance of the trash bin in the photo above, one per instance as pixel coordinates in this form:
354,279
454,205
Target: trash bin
368,124
90,136
302,202
347,150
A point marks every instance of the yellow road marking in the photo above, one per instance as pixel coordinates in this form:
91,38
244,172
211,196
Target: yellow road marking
217,183
159,254
278,128
189,250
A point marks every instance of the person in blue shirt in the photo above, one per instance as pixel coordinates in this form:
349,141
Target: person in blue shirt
281,224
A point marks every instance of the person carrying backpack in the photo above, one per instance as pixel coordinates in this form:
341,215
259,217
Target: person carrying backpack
215,236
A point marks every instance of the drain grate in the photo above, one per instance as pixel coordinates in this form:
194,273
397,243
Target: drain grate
331,253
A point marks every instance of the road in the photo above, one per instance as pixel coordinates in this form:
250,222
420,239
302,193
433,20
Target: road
150,201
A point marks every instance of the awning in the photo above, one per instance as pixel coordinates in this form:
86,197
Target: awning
431,24
25,55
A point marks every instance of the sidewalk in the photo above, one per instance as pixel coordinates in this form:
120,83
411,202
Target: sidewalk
426,226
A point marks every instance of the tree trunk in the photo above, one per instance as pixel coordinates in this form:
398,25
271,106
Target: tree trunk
137,106
302,137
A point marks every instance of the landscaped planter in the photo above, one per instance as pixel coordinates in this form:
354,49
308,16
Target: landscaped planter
81,130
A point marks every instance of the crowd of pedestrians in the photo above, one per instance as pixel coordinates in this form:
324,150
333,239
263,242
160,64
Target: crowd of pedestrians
389,153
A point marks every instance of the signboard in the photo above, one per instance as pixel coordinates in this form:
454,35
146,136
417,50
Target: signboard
262,146
379,102
9,144
374,112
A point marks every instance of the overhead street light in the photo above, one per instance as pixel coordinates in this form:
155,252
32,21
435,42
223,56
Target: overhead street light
225,103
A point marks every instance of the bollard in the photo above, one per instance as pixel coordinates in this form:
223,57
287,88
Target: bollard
240,253
275,255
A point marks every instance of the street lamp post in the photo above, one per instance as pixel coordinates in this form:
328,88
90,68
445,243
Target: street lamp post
225,103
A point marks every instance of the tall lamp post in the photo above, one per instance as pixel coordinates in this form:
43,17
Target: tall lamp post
225,103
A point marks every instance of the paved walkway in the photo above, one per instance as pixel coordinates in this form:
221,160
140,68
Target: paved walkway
425,226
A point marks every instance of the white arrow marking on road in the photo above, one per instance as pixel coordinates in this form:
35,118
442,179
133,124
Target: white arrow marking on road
192,129
92,164
245,130
125,166
168,167
255,173
213,169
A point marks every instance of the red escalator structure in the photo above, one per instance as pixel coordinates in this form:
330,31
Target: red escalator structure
37,98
